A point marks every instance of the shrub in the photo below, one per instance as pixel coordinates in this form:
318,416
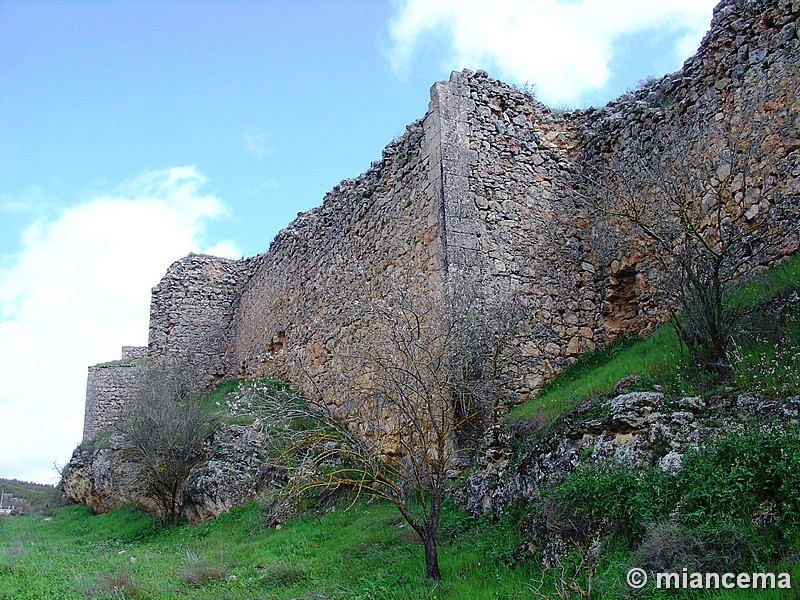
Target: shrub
745,478
163,439
669,547
612,499
732,502
282,575
119,584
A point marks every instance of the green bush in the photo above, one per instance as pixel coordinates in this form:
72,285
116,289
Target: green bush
744,478
614,499
733,503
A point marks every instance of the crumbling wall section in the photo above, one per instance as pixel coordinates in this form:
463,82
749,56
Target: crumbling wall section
515,208
134,352
192,315
739,93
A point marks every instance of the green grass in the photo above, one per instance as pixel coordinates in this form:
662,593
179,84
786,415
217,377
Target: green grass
781,280
214,402
596,373
225,403
364,552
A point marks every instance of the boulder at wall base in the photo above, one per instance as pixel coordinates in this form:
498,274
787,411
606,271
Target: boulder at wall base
92,478
236,470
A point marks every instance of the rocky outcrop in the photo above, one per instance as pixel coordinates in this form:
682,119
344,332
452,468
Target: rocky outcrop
636,429
92,477
235,470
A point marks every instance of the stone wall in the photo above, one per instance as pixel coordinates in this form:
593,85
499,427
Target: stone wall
134,352
369,234
739,93
109,390
528,231
487,185
192,315
521,217
476,188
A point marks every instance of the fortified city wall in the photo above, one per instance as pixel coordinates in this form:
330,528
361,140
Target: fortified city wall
369,233
110,388
487,184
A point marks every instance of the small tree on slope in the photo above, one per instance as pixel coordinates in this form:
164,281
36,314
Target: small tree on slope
704,222
419,391
163,438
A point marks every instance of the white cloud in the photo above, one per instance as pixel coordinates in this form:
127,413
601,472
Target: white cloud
79,289
227,249
564,47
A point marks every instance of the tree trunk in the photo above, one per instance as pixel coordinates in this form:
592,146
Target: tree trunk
427,533
431,556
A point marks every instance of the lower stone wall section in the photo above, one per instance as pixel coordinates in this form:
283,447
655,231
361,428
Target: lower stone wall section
110,389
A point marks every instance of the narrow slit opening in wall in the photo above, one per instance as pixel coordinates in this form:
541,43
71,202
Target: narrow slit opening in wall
277,344
623,303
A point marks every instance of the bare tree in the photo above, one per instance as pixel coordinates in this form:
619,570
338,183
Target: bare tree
163,438
422,385
696,205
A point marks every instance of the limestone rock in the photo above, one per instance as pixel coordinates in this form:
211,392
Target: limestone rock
638,429
235,471
92,477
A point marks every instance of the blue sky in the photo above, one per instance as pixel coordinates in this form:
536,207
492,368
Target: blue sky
134,132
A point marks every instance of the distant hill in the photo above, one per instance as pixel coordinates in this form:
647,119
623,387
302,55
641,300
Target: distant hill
29,498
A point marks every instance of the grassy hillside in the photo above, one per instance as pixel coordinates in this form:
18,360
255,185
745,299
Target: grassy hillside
764,356
735,503
364,552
